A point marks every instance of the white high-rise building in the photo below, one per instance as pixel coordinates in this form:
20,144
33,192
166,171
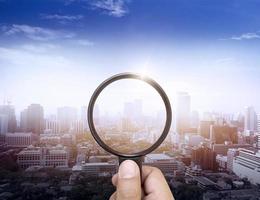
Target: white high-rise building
182,122
231,154
52,126
66,115
247,165
250,119
258,123
84,117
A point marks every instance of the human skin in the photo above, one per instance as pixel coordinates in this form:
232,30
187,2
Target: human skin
129,187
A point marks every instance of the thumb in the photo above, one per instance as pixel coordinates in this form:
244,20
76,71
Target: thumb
129,182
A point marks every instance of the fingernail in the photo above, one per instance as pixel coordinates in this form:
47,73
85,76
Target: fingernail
127,169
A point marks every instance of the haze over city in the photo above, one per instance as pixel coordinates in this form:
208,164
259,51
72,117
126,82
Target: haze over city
56,57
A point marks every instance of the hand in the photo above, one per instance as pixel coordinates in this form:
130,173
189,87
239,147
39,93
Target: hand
128,183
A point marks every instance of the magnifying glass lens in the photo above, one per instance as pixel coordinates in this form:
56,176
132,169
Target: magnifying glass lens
129,116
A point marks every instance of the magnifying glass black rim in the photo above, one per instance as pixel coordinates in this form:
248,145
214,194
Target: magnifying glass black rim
129,75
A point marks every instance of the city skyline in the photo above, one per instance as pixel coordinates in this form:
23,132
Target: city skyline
57,58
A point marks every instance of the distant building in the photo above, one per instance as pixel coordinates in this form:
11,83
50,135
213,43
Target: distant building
222,162
3,124
84,118
66,115
247,165
19,139
77,126
204,157
204,128
258,123
9,112
182,122
50,139
96,169
53,126
231,154
43,156
194,119
250,119
220,134
32,119
193,140
164,162
222,149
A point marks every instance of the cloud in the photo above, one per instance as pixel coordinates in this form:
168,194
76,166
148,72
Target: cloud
35,33
83,42
116,8
62,18
244,36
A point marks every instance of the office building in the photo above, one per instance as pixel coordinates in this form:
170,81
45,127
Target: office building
193,140
250,119
164,162
57,156
19,139
9,112
3,124
219,134
66,115
204,157
52,126
32,119
231,154
77,126
222,149
247,165
182,118
258,123
204,128
96,169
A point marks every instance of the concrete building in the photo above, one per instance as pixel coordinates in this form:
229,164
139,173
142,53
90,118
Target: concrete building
250,119
221,133
50,139
3,124
19,139
9,111
247,165
96,169
66,115
231,154
204,128
43,156
52,126
182,122
164,162
222,149
222,162
193,140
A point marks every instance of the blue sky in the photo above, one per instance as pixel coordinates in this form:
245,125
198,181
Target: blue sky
56,52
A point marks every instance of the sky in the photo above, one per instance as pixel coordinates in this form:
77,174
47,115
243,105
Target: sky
56,52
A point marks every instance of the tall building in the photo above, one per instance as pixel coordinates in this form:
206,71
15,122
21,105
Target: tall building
204,157
194,119
33,118
250,119
24,120
3,124
52,126
66,115
258,123
247,165
204,128
231,154
9,111
220,134
84,117
182,119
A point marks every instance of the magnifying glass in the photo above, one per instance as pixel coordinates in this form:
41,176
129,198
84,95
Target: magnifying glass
129,115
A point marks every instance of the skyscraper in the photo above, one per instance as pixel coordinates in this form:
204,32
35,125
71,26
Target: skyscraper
66,115
3,124
35,120
250,119
8,110
182,122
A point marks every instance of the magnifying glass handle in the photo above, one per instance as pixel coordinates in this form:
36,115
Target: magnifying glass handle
138,160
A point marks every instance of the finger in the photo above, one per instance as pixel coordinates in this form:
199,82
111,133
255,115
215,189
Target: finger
128,181
114,179
155,184
113,196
